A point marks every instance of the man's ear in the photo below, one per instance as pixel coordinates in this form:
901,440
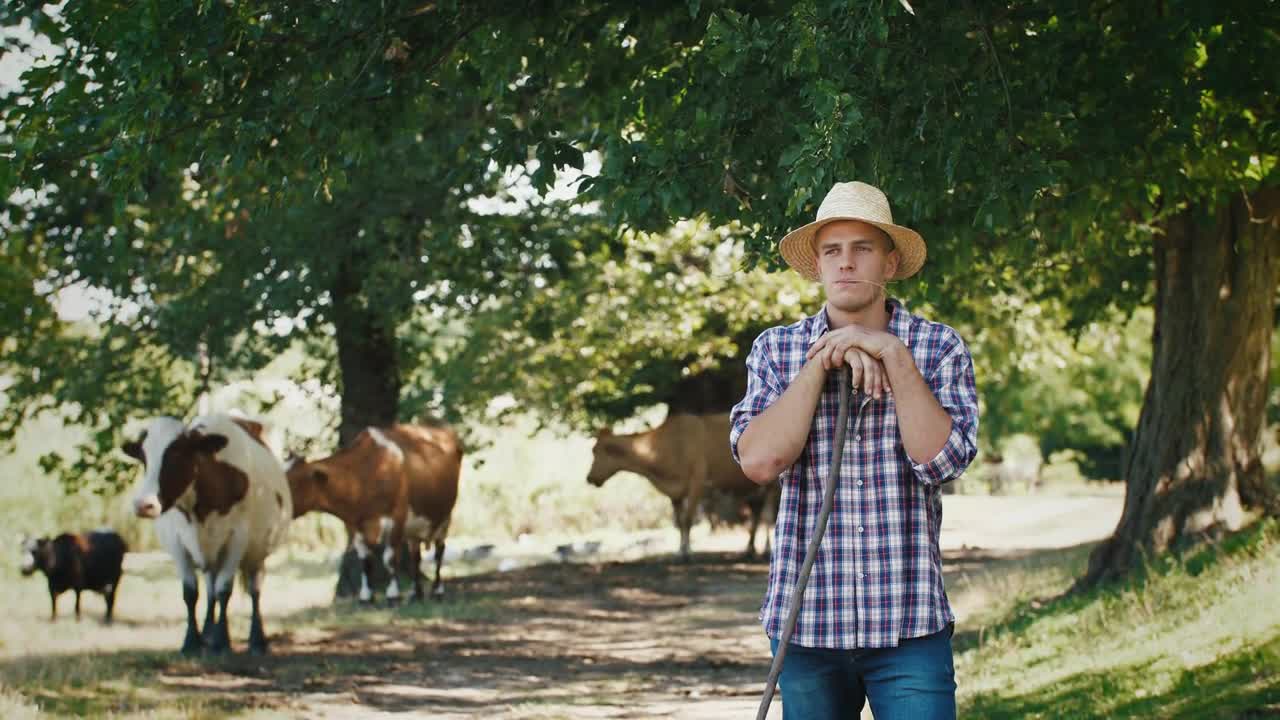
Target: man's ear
892,263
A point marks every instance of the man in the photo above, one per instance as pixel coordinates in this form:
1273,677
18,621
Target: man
874,623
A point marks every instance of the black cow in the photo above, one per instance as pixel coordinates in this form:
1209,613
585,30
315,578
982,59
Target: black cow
79,562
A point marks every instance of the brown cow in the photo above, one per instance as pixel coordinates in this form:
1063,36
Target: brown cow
388,485
683,457
77,562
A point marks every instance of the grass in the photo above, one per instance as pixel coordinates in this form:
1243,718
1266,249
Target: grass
13,706
1195,636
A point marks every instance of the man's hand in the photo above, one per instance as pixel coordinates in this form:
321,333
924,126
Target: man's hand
864,350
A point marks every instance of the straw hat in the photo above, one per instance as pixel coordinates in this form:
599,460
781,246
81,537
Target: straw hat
853,201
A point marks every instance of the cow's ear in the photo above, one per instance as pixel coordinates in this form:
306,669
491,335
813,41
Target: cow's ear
210,444
320,476
250,426
133,449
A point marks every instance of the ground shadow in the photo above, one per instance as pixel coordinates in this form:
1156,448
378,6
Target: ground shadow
563,634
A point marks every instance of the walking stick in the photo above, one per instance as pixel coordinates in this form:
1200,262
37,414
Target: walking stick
810,555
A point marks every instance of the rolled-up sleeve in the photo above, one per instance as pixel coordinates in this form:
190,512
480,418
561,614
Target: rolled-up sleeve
764,386
953,385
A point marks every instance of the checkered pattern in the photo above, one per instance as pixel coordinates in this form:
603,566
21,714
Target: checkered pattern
878,575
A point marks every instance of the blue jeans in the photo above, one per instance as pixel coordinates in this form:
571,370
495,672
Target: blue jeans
914,681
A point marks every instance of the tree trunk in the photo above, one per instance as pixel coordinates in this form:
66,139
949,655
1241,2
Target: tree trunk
366,358
1195,462
370,372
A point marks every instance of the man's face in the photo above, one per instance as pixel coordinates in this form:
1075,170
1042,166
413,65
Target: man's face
850,251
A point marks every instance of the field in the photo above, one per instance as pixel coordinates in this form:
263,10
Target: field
626,632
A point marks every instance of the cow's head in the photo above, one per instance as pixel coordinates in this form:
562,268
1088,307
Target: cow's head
606,458
169,453
308,484
37,554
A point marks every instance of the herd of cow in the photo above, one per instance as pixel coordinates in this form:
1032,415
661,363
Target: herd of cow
222,501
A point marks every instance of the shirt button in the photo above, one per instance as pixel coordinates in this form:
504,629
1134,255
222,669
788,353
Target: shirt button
859,483
859,528
857,438
860,576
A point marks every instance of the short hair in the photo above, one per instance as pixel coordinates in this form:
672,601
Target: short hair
887,238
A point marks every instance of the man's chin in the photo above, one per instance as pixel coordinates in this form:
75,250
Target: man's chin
853,299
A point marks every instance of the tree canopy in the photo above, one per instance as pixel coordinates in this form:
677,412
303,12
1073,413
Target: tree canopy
240,177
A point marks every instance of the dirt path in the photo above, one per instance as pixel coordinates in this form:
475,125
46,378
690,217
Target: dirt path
643,639
620,640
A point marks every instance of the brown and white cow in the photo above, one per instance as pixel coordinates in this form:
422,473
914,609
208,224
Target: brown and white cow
220,503
389,485
684,457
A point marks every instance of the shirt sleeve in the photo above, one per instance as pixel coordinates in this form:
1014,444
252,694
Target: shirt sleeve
764,386
953,385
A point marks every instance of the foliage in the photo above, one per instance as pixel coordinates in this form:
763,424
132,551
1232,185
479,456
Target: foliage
239,177
626,324
1035,147
224,171
1081,391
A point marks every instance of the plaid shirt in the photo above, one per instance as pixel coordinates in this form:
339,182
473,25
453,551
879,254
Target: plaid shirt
878,575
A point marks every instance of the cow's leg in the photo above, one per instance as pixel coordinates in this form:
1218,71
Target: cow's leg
221,640
682,520
77,604
253,585
211,604
221,588
366,559
415,559
109,594
53,605
184,548
391,558
190,595
391,538
437,588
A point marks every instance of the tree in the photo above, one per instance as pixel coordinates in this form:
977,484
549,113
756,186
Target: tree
227,169
655,318
1100,154
1078,391
241,177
